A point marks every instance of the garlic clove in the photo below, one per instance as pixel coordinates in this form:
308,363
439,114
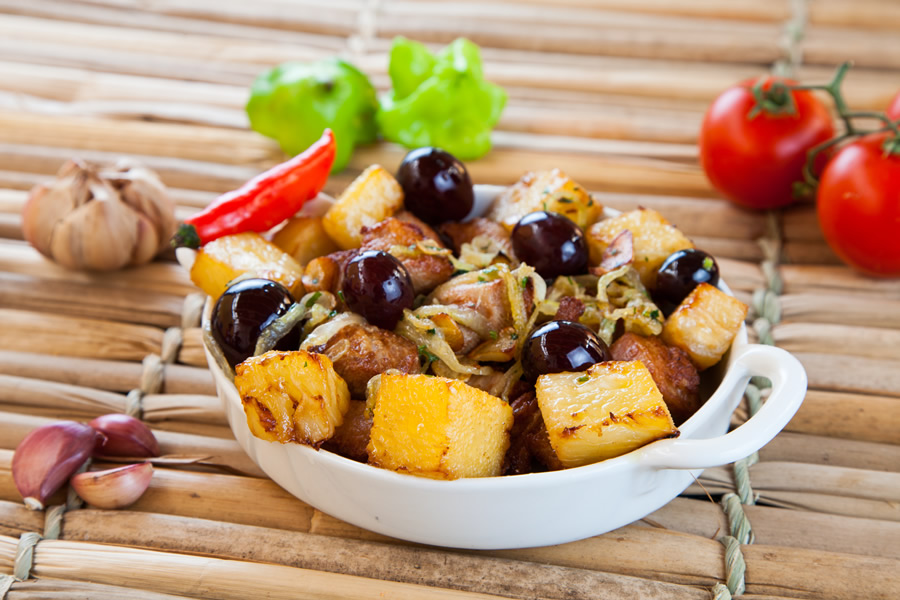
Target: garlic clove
113,488
48,456
125,436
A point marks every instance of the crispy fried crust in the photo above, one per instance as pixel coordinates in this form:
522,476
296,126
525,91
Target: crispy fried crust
426,271
529,448
350,439
671,369
570,309
359,352
326,273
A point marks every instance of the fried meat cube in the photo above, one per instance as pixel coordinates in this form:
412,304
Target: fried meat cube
427,271
361,351
671,369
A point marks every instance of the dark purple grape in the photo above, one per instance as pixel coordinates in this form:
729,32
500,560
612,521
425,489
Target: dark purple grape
681,272
378,287
243,311
436,186
561,346
550,243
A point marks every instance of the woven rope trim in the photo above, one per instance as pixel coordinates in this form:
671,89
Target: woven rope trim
153,375
25,555
6,582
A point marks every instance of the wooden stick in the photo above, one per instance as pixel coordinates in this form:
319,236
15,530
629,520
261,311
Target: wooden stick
224,452
815,449
182,141
846,309
70,336
784,527
818,279
853,340
112,375
90,300
423,566
57,589
842,373
89,402
209,577
20,258
848,416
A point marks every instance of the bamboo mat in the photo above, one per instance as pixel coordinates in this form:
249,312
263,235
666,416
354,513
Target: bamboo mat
612,92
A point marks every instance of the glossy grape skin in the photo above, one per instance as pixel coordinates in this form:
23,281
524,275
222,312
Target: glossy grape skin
436,186
243,311
550,243
681,272
561,346
378,287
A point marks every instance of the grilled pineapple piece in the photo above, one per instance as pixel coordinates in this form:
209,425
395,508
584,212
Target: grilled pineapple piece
292,396
654,240
221,260
704,324
372,197
612,408
552,191
304,238
436,427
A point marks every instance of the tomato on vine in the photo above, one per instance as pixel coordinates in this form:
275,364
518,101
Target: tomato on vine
858,203
755,138
893,111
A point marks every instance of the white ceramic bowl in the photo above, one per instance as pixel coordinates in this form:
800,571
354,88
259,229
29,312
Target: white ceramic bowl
537,509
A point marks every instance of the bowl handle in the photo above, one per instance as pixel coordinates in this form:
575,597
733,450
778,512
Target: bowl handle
788,390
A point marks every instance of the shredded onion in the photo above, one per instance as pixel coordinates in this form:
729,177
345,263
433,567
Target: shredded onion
321,334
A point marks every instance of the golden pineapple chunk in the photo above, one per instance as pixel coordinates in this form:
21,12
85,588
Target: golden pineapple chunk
612,408
372,197
552,191
436,427
220,261
654,240
304,238
292,396
704,324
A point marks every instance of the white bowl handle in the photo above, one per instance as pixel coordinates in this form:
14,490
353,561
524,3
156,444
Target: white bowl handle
788,390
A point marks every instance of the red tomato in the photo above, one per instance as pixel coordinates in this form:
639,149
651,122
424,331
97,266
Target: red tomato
893,111
755,162
859,206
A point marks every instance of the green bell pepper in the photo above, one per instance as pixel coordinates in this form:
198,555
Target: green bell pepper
295,102
440,100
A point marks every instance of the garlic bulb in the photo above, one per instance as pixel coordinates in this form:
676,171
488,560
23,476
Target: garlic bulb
100,219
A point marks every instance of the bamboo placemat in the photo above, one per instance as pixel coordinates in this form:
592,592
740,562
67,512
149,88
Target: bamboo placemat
611,92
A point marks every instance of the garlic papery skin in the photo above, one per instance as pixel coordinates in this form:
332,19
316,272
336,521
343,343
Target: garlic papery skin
125,436
99,219
48,456
113,488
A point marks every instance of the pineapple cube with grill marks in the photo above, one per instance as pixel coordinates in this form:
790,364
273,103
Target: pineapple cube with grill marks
436,427
612,408
372,197
221,260
654,240
704,324
552,191
292,396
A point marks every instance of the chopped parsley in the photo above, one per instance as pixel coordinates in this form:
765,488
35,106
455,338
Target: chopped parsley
332,314
313,299
514,336
654,314
341,295
431,331
565,200
524,282
583,378
708,263
493,334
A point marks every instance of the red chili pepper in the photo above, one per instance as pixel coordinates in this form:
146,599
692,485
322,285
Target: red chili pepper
264,201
